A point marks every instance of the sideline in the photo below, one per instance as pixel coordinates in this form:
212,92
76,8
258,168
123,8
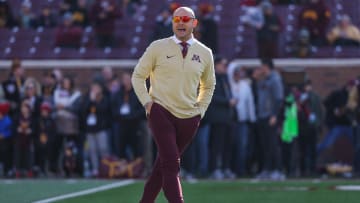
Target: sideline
86,192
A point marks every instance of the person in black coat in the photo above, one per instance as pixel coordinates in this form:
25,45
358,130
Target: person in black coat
95,117
208,27
129,113
220,116
13,87
44,137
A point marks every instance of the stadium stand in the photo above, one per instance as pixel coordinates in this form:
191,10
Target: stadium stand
132,33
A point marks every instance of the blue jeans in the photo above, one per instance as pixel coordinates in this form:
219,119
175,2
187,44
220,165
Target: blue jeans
333,135
241,137
202,148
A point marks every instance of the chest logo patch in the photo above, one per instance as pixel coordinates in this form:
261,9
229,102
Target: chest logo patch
196,58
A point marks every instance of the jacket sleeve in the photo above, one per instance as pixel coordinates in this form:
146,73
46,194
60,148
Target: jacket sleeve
278,95
141,73
207,86
251,104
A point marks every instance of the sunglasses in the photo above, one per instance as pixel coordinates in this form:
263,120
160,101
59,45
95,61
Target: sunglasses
184,19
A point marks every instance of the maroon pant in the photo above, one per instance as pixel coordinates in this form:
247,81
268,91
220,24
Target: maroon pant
171,135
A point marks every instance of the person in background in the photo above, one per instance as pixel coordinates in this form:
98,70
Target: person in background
24,135
289,132
208,28
345,33
270,96
128,113
132,7
80,13
221,115
66,99
311,118
44,137
315,17
34,99
48,87
103,14
163,26
95,117
47,18
268,33
302,46
338,118
245,109
7,19
68,35
13,86
27,18
6,126
33,95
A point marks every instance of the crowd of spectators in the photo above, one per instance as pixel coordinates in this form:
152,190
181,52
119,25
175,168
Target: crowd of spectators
313,25
255,126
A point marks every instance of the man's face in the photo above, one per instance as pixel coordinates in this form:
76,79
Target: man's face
183,24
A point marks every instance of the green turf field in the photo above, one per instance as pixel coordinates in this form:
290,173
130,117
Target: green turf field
247,191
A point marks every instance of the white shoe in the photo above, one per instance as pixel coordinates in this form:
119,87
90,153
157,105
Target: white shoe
277,176
217,175
229,174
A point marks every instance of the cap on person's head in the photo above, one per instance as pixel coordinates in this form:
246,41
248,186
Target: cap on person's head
205,8
268,62
173,6
46,106
4,107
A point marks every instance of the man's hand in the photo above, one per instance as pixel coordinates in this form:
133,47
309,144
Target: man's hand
233,102
272,120
148,108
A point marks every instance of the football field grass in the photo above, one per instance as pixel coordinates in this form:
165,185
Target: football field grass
247,191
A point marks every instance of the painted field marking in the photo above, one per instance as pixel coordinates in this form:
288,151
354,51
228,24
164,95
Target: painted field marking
86,192
348,187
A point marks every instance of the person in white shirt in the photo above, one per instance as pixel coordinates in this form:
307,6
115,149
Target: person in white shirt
245,107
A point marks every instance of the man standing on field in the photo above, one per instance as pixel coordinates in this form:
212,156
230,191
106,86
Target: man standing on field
182,79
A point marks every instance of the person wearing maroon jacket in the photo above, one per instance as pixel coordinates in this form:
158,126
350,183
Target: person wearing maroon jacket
103,15
315,16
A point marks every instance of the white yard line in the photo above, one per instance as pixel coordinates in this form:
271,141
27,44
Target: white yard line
86,192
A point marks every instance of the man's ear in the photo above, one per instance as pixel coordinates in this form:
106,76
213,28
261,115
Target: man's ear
195,22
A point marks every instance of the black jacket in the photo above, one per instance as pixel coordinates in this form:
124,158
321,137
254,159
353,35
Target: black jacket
219,110
136,109
102,114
